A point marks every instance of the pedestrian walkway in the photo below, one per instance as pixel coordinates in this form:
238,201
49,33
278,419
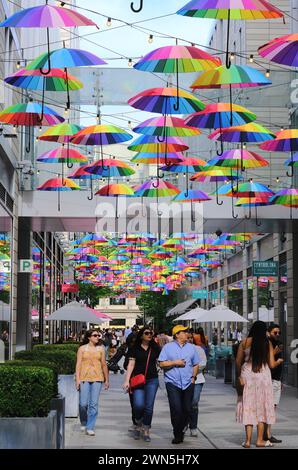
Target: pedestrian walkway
217,426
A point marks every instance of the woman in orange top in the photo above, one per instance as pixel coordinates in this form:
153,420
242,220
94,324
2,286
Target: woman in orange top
91,373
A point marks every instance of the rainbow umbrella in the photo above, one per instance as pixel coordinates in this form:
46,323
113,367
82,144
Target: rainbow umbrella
154,188
254,202
163,101
230,9
293,161
286,197
153,157
232,159
177,59
110,168
82,174
188,165
282,50
62,155
116,190
58,184
192,195
149,144
218,115
215,174
55,80
172,126
61,133
252,133
285,141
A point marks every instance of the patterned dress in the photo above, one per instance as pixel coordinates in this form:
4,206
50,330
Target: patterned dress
256,405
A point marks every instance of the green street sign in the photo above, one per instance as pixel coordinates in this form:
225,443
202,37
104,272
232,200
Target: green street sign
199,294
265,268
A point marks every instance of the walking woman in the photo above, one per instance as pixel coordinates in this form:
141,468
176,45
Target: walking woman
143,360
255,357
91,373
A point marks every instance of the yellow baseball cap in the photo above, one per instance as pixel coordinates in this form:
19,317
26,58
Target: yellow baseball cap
179,328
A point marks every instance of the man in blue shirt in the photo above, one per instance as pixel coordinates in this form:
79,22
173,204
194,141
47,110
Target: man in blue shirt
180,362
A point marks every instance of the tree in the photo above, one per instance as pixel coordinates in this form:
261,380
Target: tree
156,305
93,293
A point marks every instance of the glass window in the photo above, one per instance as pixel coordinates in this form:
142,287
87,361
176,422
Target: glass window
117,301
5,284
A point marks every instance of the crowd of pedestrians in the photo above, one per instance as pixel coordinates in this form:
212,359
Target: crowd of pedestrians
180,360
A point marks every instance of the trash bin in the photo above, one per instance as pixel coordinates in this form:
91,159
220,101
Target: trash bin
228,370
219,367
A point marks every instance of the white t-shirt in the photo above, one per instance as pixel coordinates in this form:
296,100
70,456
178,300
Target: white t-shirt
202,364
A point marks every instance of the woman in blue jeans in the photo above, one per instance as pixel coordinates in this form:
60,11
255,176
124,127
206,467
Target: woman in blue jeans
143,357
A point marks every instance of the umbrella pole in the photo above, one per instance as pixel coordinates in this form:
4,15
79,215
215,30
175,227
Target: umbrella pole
67,88
257,221
137,10
249,213
91,189
59,200
290,175
176,105
116,209
231,104
192,212
219,153
44,71
241,152
163,136
228,61
219,203
235,216
187,191
28,146
69,165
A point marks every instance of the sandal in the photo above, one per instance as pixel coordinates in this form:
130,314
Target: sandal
245,445
267,444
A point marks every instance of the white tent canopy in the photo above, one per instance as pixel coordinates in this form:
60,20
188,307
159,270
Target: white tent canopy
193,314
221,313
265,314
74,311
181,308
4,311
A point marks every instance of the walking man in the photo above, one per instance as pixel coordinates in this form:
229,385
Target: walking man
180,362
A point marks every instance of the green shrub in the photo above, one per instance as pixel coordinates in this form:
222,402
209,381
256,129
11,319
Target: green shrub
64,359
57,347
26,391
40,363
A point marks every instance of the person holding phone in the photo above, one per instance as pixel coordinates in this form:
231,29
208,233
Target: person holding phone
180,362
91,373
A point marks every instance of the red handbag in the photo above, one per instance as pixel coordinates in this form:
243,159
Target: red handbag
140,379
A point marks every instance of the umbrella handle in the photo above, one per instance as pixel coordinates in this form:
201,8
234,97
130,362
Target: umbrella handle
28,146
247,217
116,209
91,190
290,175
159,176
235,216
221,151
228,60
137,10
157,185
42,71
193,218
176,105
219,203
258,224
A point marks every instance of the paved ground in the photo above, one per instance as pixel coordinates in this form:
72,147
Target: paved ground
217,421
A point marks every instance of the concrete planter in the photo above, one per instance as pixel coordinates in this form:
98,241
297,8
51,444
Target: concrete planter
58,404
29,433
67,388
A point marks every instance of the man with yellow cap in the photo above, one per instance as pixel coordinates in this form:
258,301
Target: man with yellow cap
180,362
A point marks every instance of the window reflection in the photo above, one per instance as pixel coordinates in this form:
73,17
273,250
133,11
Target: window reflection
5,293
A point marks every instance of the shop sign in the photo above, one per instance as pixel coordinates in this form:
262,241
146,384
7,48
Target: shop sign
200,294
26,266
73,288
265,268
5,266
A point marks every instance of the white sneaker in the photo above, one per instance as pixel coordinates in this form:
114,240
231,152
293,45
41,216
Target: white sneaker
89,432
194,433
83,428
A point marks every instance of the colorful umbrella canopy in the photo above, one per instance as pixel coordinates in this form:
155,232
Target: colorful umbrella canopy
116,189
215,174
82,174
46,16
61,133
252,132
218,115
286,197
282,50
188,165
237,158
154,188
293,161
30,114
55,80
65,58
58,184
247,189
285,141
192,195
62,155
153,157
237,76
163,101
171,126
149,144
110,168
101,134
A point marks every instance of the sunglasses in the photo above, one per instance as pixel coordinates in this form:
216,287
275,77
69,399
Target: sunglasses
147,333
97,336
276,333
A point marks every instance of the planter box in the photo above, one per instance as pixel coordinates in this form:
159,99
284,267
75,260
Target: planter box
58,404
67,388
29,433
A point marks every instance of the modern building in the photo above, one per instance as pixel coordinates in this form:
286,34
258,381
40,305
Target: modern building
124,311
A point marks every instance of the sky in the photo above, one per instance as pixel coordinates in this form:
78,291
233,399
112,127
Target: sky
112,42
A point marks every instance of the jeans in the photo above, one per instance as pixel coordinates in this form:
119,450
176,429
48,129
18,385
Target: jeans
89,396
180,402
143,402
193,422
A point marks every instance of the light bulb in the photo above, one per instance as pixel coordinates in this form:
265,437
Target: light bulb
150,40
129,124
66,111
129,62
277,179
18,64
232,55
98,118
267,73
109,22
40,129
251,58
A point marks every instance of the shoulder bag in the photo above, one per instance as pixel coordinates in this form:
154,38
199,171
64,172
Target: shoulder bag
140,379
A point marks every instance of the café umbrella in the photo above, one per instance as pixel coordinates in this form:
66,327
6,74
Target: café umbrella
74,311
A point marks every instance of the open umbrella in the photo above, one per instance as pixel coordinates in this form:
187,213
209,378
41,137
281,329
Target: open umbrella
192,195
74,311
232,159
177,59
55,80
231,10
220,313
173,126
116,190
62,155
82,174
61,133
285,141
282,50
286,197
156,188
214,174
58,184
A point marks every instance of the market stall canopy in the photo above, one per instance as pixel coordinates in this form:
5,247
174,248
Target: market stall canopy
181,308
265,314
74,311
193,314
221,313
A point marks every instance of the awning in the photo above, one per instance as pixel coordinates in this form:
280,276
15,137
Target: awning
181,308
74,311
